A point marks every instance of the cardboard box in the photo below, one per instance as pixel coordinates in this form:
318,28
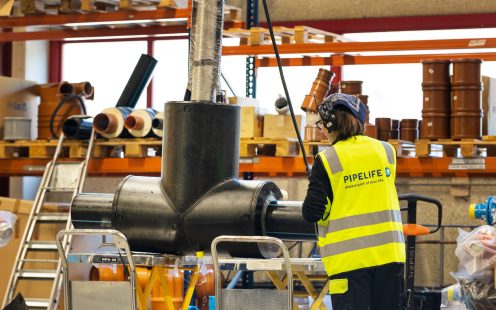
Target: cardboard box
18,98
242,101
489,106
251,121
251,116
281,126
22,209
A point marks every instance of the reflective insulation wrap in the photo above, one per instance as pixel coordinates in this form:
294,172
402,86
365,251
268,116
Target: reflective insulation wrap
137,82
139,123
78,127
207,50
284,220
201,149
110,123
92,211
192,30
158,124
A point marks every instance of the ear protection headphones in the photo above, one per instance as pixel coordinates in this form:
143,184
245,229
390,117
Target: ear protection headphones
328,116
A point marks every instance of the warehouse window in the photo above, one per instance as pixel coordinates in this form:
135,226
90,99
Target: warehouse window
106,65
171,73
395,89
299,81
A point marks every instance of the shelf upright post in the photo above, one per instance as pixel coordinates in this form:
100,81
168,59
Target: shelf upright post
251,76
338,74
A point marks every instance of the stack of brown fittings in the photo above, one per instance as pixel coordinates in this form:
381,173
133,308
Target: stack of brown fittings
395,129
436,103
320,87
466,108
409,129
333,89
420,129
355,88
383,125
51,96
351,87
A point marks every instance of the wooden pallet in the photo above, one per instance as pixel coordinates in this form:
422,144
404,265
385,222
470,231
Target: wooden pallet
40,149
454,148
403,148
250,147
312,148
38,7
232,13
128,148
6,7
284,35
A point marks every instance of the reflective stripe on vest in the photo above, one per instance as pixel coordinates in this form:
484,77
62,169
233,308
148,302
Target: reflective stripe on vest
389,152
335,164
362,242
365,219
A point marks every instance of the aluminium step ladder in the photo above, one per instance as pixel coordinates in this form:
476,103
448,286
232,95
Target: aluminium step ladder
62,179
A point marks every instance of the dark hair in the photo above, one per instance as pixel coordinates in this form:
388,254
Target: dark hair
347,125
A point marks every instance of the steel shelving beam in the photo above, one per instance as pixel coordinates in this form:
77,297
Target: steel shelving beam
350,47
339,60
92,18
272,166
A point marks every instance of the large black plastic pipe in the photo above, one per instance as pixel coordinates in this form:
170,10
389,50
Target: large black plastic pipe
93,211
201,149
77,128
199,196
137,82
284,220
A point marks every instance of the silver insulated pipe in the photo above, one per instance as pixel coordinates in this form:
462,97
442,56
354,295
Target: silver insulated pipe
207,39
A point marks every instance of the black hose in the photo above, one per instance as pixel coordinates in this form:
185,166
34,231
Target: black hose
283,80
65,99
227,83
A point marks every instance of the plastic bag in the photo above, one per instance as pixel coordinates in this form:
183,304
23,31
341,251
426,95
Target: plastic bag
476,250
7,222
479,293
452,298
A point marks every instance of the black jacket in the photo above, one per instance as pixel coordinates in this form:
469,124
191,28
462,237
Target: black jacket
319,189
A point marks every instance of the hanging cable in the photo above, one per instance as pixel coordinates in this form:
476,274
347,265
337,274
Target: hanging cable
283,80
65,99
227,83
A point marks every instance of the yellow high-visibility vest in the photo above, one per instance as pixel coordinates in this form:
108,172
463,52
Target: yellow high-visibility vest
362,227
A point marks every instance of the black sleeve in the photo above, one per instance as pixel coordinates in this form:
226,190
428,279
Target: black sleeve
319,189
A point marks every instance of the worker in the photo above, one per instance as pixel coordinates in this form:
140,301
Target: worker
353,201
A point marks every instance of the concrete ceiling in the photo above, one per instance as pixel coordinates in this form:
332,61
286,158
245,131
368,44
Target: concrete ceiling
293,10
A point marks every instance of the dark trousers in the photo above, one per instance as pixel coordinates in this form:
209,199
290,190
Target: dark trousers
375,288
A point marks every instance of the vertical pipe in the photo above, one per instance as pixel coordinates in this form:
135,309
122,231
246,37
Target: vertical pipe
207,45
191,52
137,82
55,62
149,89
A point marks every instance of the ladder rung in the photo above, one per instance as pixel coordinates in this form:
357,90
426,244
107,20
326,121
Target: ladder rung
34,260
42,245
37,303
52,217
59,189
36,274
